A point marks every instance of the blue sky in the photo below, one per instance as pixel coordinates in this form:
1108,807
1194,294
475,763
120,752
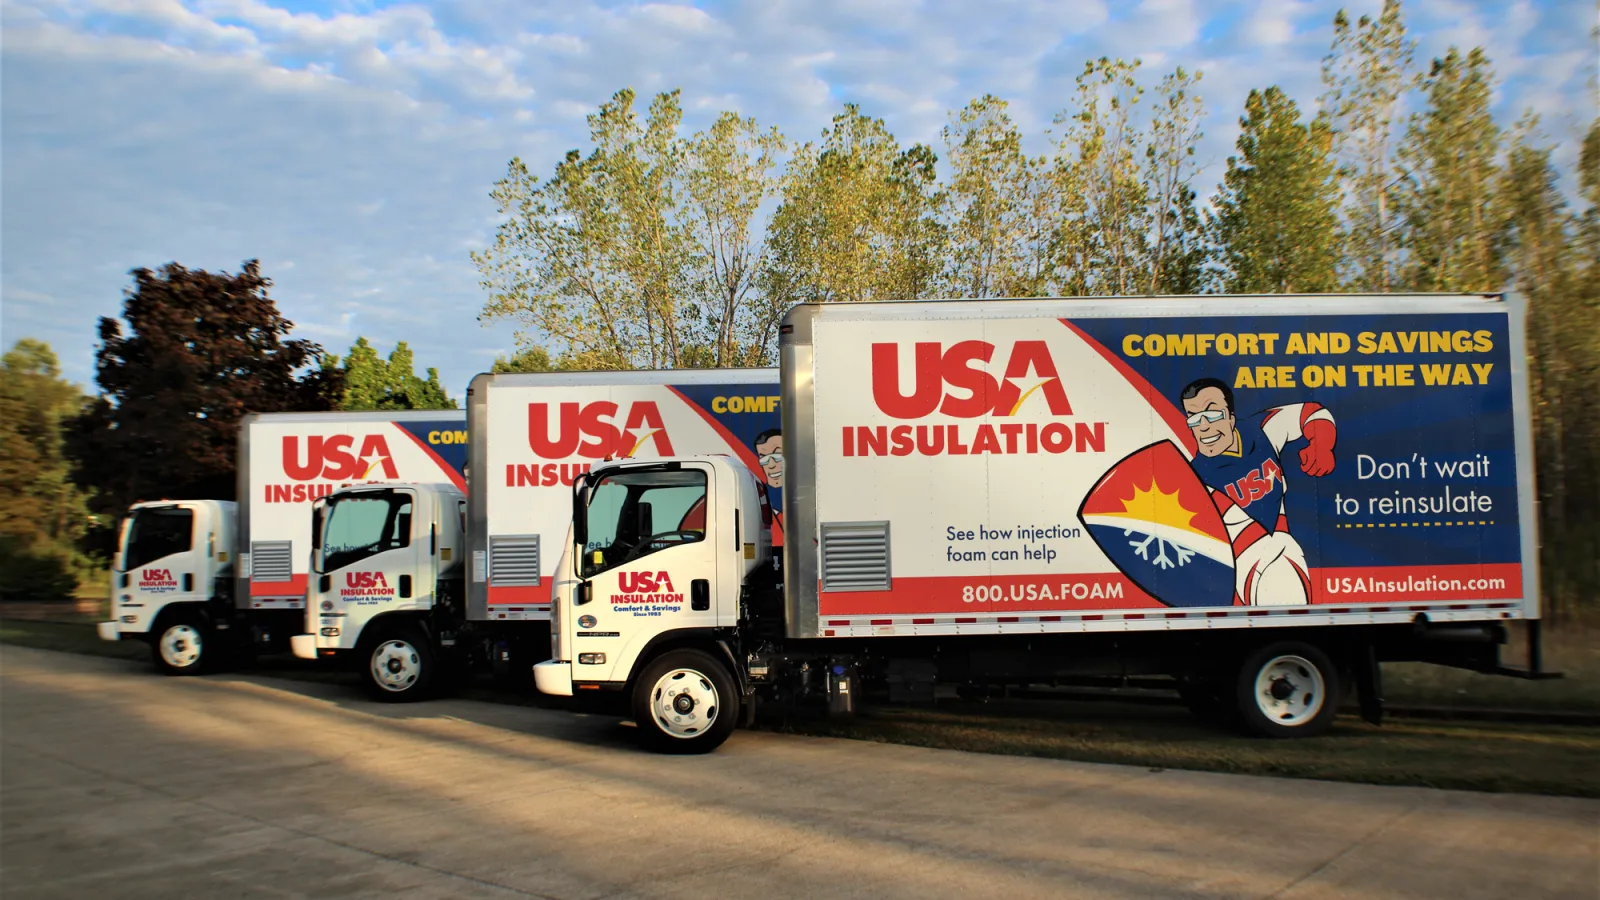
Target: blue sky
350,145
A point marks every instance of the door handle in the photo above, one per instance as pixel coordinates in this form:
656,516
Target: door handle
188,582
325,583
405,587
700,594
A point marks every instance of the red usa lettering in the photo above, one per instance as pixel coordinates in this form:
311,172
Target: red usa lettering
590,430
644,582
1029,368
1255,485
365,579
334,457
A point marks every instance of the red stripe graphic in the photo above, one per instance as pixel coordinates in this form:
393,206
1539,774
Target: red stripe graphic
294,588
1163,406
1007,594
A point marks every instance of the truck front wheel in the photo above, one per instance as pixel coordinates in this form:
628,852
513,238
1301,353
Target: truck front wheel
685,701
182,645
1287,689
399,664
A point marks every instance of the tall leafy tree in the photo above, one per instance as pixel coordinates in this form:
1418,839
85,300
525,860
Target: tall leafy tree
1177,249
1365,73
371,382
1455,229
194,351
730,172
642,253
999,206
43,514
857,220
1564,366
1275,221
1103,243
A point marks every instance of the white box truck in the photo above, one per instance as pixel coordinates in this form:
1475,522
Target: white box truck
1261,497
199,578
403,586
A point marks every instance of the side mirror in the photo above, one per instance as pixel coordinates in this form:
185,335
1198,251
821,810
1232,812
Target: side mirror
583,594
325,584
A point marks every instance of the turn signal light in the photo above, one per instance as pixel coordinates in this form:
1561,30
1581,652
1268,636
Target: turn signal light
591,659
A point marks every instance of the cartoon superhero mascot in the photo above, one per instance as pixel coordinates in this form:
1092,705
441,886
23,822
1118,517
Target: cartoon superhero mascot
1241,464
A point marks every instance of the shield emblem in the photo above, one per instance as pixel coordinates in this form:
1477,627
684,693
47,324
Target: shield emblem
1153,517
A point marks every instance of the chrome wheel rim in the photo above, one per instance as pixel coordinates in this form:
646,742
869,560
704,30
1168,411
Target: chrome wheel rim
181,646
684,703
1290,691
396,666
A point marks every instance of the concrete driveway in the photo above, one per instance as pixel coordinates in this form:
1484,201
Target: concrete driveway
116,782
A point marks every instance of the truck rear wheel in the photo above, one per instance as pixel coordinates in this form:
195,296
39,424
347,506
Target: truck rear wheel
399,665
182,645
685,702
1287,689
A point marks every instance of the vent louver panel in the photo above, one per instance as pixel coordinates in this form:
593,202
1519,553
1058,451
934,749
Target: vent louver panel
855,556
514,560
272,561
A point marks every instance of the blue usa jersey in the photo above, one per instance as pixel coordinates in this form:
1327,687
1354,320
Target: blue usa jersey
1250,476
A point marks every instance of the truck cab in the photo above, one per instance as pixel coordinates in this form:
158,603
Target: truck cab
171,581
386,590
653,590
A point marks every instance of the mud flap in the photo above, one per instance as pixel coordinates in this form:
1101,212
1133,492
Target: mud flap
1369,685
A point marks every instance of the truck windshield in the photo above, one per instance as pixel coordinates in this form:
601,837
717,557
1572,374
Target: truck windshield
635,513
364,524
156,532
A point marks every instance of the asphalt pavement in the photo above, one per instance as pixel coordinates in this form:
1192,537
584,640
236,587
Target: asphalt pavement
117,782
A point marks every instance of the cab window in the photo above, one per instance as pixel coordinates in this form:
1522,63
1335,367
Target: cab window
364,524
639,512
157,532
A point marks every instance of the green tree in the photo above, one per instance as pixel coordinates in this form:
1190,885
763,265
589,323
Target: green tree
43,514
1275,220
857,220
531,359
1365,73
200,350
1103,243
642,253
999,206
731,172
1564,365
1177,246
1455,231
371,382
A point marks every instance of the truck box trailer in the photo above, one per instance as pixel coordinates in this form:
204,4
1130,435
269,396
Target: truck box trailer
436,591
194,577
1262,497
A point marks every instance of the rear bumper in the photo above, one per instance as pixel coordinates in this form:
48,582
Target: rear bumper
108,631
304,646
554,677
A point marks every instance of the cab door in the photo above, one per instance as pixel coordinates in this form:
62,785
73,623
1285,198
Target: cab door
368,562
160,562
644,564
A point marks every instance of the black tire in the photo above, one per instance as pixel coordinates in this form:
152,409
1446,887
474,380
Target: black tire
685,701
182,643
1287,689
398,665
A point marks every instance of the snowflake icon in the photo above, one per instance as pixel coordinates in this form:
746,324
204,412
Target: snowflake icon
1161,561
